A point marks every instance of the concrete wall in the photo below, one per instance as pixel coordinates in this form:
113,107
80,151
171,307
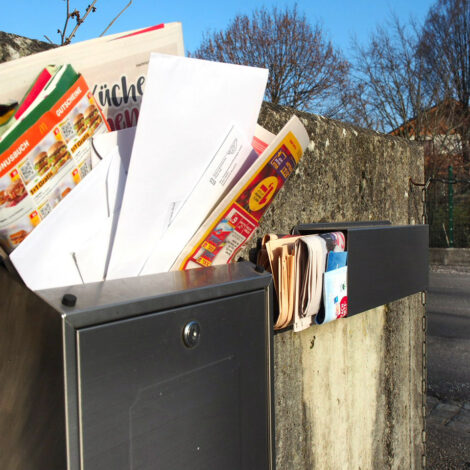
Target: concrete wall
349,394
450,256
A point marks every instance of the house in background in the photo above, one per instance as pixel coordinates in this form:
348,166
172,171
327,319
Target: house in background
444,131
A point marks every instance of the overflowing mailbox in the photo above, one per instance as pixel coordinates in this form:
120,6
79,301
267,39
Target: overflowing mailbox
168,371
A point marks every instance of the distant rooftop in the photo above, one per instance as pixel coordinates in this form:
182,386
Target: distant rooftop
13,46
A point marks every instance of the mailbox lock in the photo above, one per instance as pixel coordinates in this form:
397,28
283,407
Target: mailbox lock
191,334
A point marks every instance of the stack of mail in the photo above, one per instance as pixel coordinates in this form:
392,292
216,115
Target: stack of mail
307,269
192,141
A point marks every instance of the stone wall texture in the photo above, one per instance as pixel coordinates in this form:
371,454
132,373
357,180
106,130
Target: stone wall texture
349,394
13,46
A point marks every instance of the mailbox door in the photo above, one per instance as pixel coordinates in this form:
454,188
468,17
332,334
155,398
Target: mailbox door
149,401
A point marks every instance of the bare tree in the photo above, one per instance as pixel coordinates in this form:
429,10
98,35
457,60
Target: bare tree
387,84
445,51
394,88
305,71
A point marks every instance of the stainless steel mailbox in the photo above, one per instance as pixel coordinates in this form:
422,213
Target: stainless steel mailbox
168,372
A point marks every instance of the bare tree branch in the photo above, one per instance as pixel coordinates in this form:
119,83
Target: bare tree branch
79,20
386,88
67,18
116,17
305,71
445,49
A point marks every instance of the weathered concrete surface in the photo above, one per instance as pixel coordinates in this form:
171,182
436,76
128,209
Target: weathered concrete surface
13,46
349,395
449,256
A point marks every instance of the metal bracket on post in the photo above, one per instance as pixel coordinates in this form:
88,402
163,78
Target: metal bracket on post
424,189
424,377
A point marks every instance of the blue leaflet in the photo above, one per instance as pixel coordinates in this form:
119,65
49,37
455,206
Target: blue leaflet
336,259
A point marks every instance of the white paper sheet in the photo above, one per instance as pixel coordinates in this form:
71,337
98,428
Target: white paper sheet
187,106
47,257
103,144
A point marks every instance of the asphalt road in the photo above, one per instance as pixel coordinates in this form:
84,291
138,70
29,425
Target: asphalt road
448,363
448,341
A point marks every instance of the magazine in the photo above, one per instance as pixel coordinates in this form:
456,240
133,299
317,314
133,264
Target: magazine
115,68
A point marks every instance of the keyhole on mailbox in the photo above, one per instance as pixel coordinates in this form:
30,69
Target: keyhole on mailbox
192,334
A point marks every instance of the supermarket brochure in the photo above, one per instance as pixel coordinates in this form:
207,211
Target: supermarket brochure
114,66
235,219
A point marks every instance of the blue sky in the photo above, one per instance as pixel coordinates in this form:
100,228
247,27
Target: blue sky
341,18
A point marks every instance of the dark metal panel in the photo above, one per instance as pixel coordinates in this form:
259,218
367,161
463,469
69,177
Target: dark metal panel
386,264
123,298
141,388
304,229
32,419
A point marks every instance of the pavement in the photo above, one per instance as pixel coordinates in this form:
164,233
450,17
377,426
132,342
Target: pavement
448,434
450,414
448,363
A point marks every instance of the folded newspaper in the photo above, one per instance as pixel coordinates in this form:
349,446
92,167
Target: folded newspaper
44,150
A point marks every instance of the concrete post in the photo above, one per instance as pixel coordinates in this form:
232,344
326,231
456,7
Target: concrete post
350,394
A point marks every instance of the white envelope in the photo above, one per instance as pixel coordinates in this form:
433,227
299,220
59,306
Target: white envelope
187,106
47,257
235,154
